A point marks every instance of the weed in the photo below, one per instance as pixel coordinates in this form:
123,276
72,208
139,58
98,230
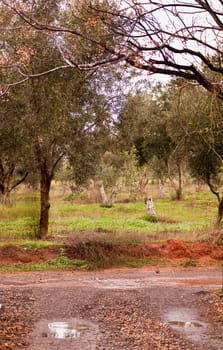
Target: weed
30,244
61,263
150,218
63,259
104,237
64,262
106,206
189,262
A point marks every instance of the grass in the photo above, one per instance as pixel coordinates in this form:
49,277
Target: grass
30,244
130,217
54,264
123,224
77,264
19,220
189,217
62,262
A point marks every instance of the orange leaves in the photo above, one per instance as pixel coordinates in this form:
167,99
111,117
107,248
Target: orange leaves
25,53
101,50
137,64
138,61
93,21
3,59
96,20
25,6
17,5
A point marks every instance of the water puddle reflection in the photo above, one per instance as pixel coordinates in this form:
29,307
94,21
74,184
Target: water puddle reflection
186,321
62,330
66,329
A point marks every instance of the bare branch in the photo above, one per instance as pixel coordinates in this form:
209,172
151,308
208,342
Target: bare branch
7,86
21,180
172,37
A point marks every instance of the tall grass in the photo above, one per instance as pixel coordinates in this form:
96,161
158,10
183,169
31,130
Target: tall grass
19,219
183,220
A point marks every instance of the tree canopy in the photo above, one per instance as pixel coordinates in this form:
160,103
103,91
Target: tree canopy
69,56
174,38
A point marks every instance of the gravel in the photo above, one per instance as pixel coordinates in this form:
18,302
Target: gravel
112,319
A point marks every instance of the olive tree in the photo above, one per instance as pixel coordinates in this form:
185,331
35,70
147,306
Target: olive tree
62,110
172,38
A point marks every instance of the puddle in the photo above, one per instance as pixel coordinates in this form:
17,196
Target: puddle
64,333
72,328
63,330
186,321
128,283
186,324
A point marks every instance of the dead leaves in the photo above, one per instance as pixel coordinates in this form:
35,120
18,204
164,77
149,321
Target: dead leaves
15,315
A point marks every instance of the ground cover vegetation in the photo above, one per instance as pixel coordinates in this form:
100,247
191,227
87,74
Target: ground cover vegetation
20,219
86,235
70,113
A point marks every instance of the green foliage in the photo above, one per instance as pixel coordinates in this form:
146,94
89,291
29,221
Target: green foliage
20,219
201,136
106,205
65,114
21,228
102,237
63,259
119,261
150,218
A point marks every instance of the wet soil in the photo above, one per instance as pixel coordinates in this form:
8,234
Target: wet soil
117,308
174,250
114,309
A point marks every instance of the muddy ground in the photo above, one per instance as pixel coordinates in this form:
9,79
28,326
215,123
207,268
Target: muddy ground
151,308
113,309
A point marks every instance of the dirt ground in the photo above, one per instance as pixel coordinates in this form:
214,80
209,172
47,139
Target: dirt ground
151,308
175,251
113,309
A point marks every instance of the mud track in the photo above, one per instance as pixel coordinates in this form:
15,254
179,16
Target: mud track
113,309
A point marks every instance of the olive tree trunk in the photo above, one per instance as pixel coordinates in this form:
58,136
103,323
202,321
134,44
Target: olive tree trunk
220,212
47,163
220,202
179,186
179,191
45,184
108,202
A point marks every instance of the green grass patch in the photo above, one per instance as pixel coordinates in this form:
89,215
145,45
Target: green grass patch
107,229
194,215
18,210
19,228
53,264
61,263
30,244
